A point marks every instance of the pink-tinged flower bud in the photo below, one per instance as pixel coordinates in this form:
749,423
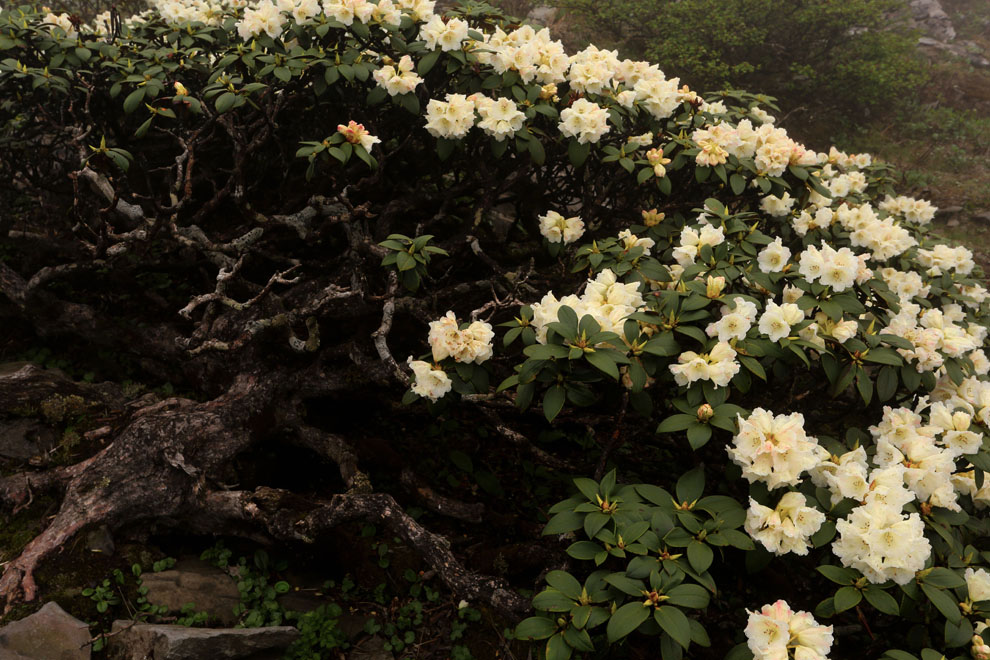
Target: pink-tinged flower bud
705,412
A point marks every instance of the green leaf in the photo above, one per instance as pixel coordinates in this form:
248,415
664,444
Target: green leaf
578,639
943,602
753,365
738,184
674,423
692,596
535,627
945,578
405,261
881,600
551,600
700,555
691,485
698,434
839,575
578,153
886,383
558,648
604,363
626,619
133,100
536,151
674,623
565,583
427,63
225,102
883,355
564,522
553,402
847,597
584,550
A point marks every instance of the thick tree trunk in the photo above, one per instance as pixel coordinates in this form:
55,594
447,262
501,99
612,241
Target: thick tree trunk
165,460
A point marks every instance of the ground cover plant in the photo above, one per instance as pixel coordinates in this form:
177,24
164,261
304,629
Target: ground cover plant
743,387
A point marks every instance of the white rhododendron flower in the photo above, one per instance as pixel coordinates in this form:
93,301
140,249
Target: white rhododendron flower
452,118
558,229
977,584
430,383
629,241
777,206
735,322
265,17
605,299
835,268
773,257
584,120
719,365
447,35
877,539
777,319
775,630
398,78
500,118
785,528
692,240
845,476
472,344
774,449
62,23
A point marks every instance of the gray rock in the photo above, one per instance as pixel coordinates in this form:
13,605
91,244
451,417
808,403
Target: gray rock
542,15
930,17
211,590
142,641
983,216
51,633
372,648
23,439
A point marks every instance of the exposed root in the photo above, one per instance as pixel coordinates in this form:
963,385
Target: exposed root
268,507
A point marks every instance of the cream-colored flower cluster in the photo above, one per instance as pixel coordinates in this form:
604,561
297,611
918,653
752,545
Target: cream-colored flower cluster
718,365
776,631
558,229
777,320
584,120
835,268
60,25
882,237
902,439
774,449
785,528
692,240
472,344
770,147
845,475
530,53
500,118
398,77
934,334
452,118
877,538
738,316
447,35
916,211
606,299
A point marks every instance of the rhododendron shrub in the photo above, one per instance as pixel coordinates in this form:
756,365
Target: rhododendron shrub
776,329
